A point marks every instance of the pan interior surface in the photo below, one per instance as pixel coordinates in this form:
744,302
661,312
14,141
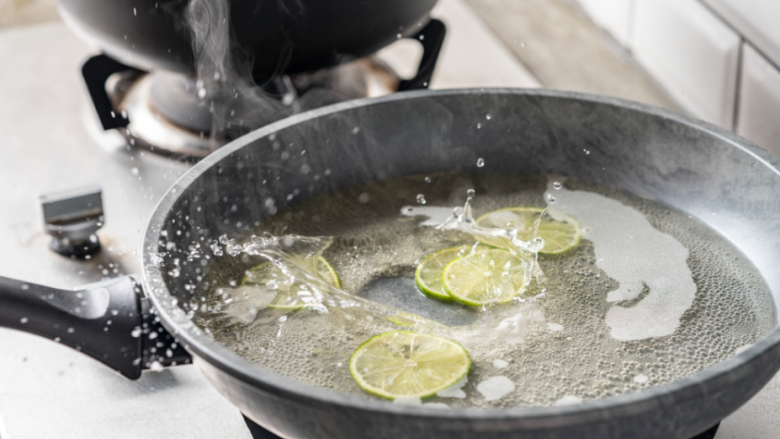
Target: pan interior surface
651,160
562,340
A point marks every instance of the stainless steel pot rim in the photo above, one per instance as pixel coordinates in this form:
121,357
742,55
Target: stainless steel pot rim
204,347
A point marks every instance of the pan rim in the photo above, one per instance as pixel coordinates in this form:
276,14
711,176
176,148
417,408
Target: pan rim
629,404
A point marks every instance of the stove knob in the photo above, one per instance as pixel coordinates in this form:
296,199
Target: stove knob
72,218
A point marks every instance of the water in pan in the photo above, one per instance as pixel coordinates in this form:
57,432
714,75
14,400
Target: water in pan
649,296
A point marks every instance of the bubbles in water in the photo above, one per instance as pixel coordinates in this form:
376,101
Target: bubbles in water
24,320
556,186
136,332
427,179
550,199
488,116
586,151
421,198
470,193
479,125
134,170
480,162
313,342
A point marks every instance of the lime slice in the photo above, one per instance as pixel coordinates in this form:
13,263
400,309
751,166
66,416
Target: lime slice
405,364
428,273
559,236
290,295
488,276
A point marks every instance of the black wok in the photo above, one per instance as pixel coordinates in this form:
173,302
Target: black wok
657,154
283,36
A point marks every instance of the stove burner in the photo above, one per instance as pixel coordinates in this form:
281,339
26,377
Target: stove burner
167,113
259,432
167,116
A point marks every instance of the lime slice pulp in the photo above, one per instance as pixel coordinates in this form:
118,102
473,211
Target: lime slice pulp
559,236
485,277
428,274
290,295
405,364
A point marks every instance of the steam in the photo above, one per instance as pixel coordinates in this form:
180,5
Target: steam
224,74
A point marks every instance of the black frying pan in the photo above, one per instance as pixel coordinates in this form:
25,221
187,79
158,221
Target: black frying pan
687,164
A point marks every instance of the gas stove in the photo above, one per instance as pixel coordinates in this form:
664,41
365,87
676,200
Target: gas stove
52,140
166,116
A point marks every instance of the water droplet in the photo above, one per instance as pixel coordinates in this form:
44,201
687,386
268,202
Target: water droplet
24,320
556,186
480,162
479,125
488,116
70,330
134,171
202,93
398,36
427,179
550,199
155,366
152,335
470,193
586,151
25,287
421,198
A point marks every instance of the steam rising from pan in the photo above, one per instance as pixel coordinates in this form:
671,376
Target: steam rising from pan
224,69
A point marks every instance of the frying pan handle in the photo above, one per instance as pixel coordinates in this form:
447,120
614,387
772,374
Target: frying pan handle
110,322
432,38
96,71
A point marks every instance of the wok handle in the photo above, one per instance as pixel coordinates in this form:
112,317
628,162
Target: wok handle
96,71
110,322
432,38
